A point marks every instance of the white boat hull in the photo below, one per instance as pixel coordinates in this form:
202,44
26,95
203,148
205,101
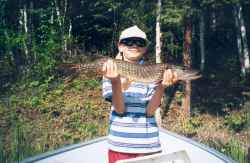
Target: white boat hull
95,151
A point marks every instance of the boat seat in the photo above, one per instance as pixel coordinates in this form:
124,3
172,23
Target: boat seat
175,157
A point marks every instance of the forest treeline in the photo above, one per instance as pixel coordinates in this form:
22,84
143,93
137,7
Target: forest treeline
212,36
37,35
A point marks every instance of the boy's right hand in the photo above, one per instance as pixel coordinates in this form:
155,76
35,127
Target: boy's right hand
109,70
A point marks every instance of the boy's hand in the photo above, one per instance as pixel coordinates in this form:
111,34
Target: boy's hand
109,70
169,78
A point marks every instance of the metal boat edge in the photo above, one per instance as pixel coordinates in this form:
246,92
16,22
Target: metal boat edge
212,151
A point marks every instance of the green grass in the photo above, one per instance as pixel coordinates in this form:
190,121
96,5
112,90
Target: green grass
236,151
43,116
233,149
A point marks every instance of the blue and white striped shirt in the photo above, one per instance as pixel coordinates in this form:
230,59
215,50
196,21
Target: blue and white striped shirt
133,132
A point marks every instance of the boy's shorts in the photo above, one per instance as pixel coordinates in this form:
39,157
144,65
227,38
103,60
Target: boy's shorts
114,156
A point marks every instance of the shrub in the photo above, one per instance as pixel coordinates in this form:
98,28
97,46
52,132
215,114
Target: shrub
236,121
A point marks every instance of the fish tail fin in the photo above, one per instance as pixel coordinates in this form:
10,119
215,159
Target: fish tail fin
187,74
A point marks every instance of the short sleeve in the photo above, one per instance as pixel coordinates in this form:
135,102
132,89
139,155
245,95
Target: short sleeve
151,90
107,89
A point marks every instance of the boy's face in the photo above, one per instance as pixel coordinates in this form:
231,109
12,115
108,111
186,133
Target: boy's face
133,48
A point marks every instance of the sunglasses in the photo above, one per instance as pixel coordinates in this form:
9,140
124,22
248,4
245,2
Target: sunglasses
134,41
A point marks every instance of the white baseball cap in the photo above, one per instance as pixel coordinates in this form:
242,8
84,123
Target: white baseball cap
133,31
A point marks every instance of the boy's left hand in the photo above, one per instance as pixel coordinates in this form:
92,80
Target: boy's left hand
169,78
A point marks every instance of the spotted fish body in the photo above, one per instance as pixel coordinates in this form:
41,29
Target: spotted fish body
146,73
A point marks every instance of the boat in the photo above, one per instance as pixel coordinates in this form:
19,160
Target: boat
175,148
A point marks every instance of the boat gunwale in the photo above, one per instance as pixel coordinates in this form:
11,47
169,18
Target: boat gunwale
204,147
62,150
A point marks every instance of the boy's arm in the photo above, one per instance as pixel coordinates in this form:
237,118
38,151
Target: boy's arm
155,101
110,71
169,78
117,97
